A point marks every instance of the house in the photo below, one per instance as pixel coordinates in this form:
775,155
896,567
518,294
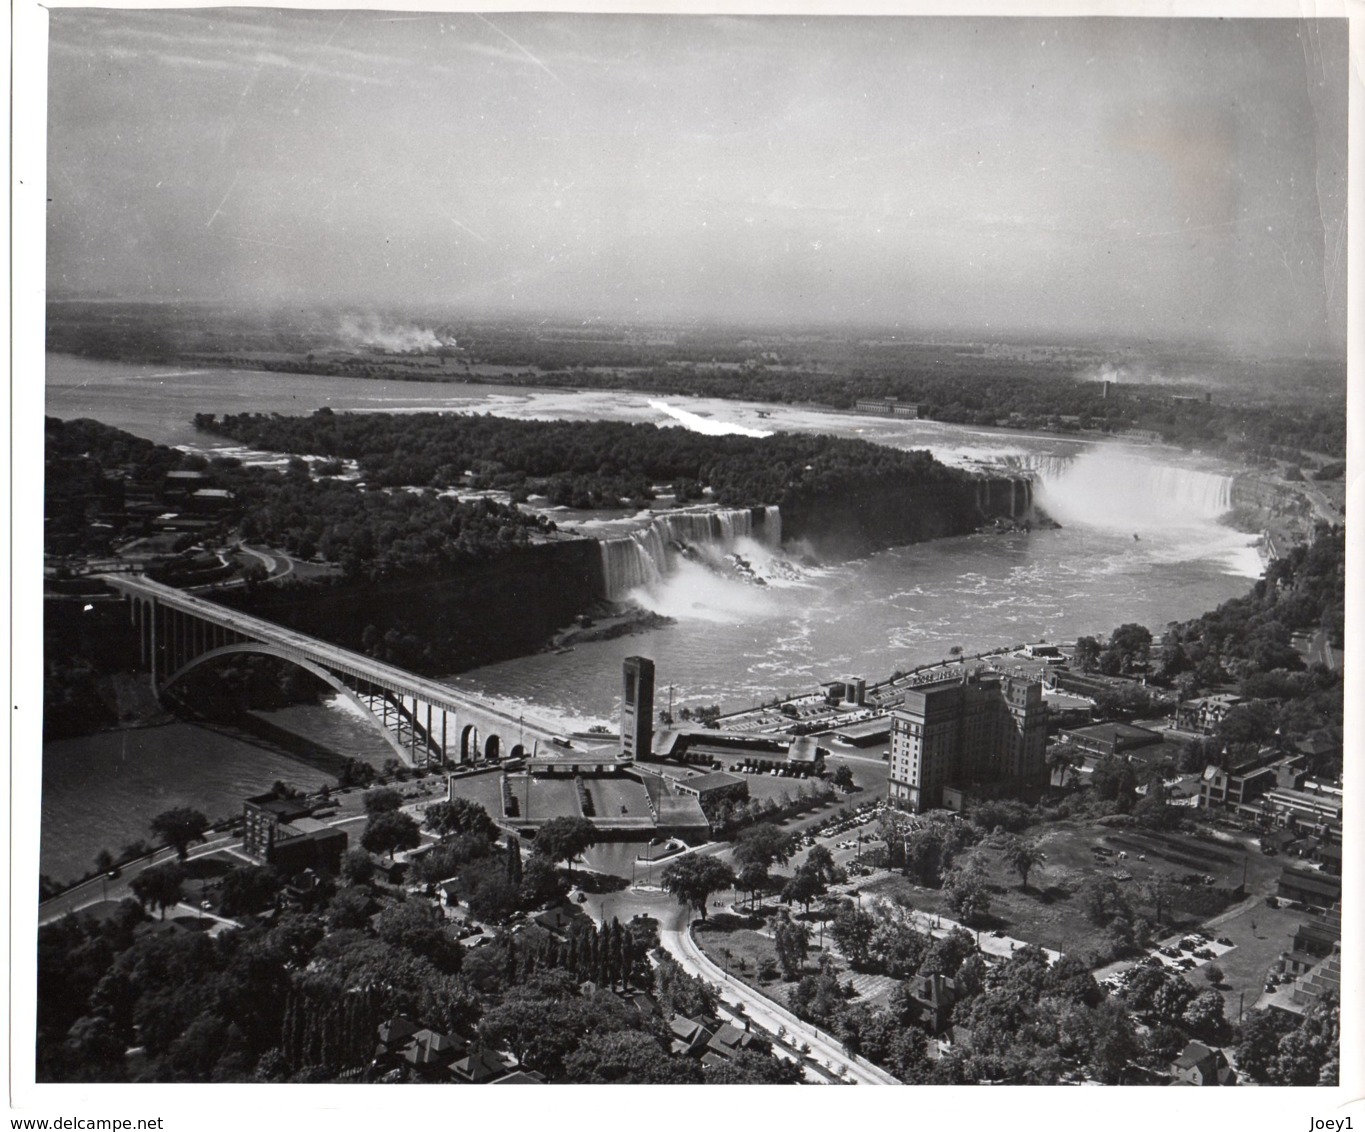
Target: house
559,918
1200,1065
1205,713
479,1066
521,1077
729,1040
689,1037
394,1036
933,997
387,870
432,1053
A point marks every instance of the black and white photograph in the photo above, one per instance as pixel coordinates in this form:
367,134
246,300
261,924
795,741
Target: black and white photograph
789,548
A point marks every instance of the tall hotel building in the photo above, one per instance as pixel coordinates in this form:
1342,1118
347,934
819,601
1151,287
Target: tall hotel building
976,729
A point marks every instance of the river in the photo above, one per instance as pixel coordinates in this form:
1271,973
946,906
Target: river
1140,542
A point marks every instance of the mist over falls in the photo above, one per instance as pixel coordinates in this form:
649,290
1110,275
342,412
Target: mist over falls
1119,490
649,556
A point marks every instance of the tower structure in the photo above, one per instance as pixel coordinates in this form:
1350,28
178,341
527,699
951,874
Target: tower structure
637,707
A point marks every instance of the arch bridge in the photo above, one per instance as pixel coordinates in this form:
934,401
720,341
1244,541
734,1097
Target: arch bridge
424,721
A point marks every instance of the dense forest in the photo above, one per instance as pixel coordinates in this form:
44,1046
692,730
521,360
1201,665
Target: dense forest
581,463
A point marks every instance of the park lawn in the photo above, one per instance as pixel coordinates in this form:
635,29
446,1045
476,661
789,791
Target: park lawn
748,949
1047,913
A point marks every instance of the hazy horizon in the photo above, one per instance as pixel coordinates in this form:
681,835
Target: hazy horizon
1178,180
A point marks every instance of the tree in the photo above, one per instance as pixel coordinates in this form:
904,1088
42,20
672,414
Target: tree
390,830
749,1068
964,891
792,941
159,886
923,851
356,867
764,844
178,827
1132,643
752,878
1086,654
843,778
852,930
459,816
540,882
948,953
821,860
628,1057
384,800
804,886
564,838
416,927
1113,781
1153,811
692,880
248,890
1022,857
1112,1041
350,908
1203,1017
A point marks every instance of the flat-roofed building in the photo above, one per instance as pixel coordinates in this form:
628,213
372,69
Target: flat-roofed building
1102,739
963,730
1317,890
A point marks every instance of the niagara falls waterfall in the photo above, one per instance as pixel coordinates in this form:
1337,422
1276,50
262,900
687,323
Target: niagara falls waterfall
651,555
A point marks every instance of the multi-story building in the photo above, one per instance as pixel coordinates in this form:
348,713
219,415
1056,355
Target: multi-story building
966,730
637,707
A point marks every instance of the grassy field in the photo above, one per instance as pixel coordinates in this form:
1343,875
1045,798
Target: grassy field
1047,911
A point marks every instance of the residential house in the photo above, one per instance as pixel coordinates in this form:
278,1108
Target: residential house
479,1066
1200,1065
689,1036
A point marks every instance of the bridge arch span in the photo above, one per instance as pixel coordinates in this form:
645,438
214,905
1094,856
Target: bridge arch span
262,649
492,748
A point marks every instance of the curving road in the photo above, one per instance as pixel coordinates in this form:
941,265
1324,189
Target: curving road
767,1013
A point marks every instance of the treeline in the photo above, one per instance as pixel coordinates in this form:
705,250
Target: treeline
579,463
955,390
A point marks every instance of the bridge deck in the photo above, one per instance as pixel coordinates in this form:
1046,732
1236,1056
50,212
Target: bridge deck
355,664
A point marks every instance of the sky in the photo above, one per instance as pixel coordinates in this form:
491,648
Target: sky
1163,179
